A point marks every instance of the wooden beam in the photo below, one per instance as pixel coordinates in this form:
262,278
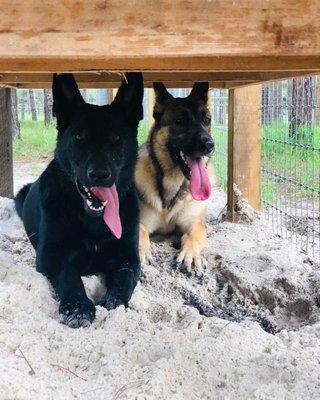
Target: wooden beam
6,163
244,152
193,35
112,85
169,77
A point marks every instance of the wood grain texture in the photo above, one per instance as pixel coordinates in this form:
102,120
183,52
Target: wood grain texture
171,79
221,35
244,147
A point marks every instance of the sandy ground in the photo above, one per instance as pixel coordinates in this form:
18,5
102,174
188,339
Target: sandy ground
25,172
245,327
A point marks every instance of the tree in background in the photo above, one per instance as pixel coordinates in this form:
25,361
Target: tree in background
15,124
47,106
301,101
23,102
32,104
271,102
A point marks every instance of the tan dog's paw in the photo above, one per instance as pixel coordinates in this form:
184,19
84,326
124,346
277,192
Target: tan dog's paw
146,255
191,259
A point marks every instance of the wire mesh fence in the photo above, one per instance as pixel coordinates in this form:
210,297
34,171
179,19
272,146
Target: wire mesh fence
219,114
291,160
290,184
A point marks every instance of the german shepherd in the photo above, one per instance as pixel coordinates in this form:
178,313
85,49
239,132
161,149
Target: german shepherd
82,214
172,174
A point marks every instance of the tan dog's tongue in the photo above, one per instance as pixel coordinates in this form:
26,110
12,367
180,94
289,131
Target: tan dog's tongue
200,186
111,210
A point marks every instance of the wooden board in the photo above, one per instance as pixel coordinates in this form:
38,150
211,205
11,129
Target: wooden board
171,79
180,35
244,147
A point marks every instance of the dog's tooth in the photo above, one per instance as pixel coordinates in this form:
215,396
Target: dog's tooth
89,203
105,203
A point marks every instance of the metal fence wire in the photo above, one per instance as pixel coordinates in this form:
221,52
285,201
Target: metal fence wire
290,184
291,160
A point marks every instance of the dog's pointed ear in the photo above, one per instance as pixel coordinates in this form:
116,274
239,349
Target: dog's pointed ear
200,91
130,97
162,96
66,98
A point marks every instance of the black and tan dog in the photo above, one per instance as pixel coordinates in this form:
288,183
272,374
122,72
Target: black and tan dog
172,174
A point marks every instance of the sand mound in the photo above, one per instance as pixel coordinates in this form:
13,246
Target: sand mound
246,326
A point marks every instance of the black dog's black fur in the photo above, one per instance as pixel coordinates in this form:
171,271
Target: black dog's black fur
70,240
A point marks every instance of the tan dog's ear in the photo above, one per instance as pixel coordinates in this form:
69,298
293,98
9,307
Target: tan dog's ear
200,91
162,98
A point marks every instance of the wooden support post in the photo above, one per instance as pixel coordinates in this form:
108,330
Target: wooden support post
244,152
151,99
6,163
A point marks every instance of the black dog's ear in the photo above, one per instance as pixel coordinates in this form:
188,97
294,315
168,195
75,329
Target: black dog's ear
162,97
130,96
200,91
66,98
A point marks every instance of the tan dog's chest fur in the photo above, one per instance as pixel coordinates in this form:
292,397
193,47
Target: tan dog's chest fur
175,210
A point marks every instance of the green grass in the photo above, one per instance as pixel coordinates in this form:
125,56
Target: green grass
36,141
282,154
220,158
294,157
142,132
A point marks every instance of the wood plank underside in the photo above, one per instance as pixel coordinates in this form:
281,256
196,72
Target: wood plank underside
170,79
184,35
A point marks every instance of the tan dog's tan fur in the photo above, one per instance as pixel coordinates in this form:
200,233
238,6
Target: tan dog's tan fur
184,213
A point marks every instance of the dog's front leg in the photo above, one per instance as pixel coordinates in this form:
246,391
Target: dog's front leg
58,264
144,245
192,244
123,277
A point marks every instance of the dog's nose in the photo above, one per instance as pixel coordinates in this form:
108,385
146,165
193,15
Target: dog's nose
98,176
206,144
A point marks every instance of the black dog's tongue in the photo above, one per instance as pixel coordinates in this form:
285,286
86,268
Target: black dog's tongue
109,197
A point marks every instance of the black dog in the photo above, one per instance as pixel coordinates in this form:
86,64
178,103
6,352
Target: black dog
82,214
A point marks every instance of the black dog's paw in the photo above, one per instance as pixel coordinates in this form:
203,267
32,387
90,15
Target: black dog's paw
77,314
110,301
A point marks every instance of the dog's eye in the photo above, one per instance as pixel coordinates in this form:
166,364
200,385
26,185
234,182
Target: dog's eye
180,121
80,136
114,139
206,120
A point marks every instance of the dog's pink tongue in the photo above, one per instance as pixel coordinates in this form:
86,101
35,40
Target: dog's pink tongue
111,210
200,186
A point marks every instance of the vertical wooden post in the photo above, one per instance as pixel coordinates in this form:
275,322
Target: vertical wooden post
6,163
244,147
151,99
